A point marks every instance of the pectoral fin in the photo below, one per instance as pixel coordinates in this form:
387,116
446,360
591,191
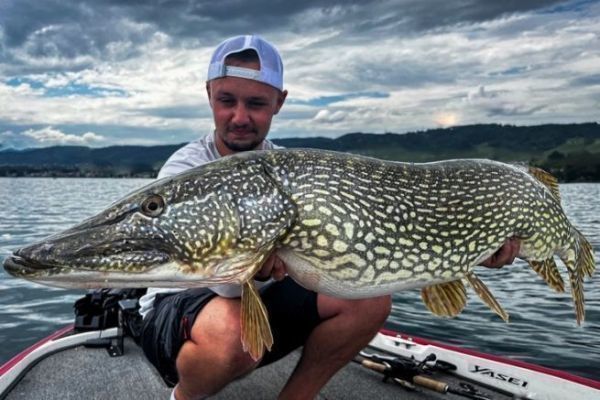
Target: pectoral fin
548,270
445,299
484,294
256,332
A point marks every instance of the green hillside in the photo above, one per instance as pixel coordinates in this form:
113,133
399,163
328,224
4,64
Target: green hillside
570,151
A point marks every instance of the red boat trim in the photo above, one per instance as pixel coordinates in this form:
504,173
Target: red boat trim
16,359
533,367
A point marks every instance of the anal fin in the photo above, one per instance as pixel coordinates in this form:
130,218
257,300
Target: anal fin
486,296
445,299
256,331
548,270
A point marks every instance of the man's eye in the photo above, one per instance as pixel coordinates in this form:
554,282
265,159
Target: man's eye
226,101
257,104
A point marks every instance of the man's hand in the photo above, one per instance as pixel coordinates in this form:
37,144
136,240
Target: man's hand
505,254
272,268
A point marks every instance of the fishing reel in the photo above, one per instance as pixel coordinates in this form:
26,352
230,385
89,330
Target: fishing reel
409,374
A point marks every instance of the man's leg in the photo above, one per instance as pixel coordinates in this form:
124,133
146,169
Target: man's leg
347,327
213,357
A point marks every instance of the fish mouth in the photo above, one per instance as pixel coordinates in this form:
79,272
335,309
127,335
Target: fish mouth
17,265
44,260
84,273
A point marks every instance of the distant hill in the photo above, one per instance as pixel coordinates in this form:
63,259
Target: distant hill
570,151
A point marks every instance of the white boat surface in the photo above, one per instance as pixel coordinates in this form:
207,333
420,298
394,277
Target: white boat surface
69,365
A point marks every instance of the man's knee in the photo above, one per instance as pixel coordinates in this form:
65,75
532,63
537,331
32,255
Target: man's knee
215,335
375,310
372,310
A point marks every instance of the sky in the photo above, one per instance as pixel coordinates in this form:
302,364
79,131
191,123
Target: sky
111,72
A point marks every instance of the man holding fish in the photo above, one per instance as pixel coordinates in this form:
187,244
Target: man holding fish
192,336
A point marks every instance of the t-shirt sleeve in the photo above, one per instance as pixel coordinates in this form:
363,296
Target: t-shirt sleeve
189,156
173,167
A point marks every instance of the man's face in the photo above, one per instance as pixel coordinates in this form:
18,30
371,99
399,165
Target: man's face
242,110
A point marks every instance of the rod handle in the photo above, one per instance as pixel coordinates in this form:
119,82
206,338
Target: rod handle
375,366
431,384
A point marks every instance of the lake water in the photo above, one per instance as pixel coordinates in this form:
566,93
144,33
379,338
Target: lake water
542,326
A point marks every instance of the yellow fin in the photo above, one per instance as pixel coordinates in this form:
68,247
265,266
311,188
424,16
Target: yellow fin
579,259
256,331
445,299
486,296
547,179
576,281
548,270
588,265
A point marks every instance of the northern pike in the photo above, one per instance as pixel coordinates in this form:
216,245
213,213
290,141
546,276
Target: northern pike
345,225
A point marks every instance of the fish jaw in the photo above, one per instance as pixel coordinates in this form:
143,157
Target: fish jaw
168,273
93,251
69,278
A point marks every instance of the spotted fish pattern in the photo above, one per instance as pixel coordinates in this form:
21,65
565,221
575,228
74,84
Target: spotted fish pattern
369,224
345,225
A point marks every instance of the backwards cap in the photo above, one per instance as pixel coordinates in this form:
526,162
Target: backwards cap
271,67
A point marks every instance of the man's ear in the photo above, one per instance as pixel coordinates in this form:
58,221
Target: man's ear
209,94
281,96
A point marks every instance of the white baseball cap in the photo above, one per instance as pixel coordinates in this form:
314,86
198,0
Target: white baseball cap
271,66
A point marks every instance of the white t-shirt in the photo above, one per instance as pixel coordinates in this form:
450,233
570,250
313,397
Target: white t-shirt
189,156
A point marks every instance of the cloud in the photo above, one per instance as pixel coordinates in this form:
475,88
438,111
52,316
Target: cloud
330,117
371,66
331,99
47,136
73,34
60,85
586,80
498,103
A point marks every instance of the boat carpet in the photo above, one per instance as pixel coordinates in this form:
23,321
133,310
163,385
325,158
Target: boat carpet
90,373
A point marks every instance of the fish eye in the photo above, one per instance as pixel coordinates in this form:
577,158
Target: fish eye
153,206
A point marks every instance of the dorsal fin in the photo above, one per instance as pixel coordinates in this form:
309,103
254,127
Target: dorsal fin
486,296
548,270
445,299
546,178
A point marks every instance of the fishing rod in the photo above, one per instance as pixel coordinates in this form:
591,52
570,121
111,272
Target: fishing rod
410,373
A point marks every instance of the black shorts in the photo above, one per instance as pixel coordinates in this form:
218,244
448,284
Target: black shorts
292,312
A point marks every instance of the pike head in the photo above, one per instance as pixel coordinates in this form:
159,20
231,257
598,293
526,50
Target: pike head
210,225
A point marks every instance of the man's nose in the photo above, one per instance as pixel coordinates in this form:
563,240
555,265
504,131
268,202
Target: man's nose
240,115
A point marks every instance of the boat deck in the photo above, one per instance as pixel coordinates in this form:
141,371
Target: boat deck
90,373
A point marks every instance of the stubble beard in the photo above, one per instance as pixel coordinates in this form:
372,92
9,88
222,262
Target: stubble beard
244,145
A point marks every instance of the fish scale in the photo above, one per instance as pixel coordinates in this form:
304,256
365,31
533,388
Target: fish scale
398,225
345,225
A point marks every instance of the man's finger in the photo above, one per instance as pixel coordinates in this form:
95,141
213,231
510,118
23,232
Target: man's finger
505,254
279,270
266,269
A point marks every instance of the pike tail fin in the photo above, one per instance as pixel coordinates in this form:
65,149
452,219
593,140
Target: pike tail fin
578,256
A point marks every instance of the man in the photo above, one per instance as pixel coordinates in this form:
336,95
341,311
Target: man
193,336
